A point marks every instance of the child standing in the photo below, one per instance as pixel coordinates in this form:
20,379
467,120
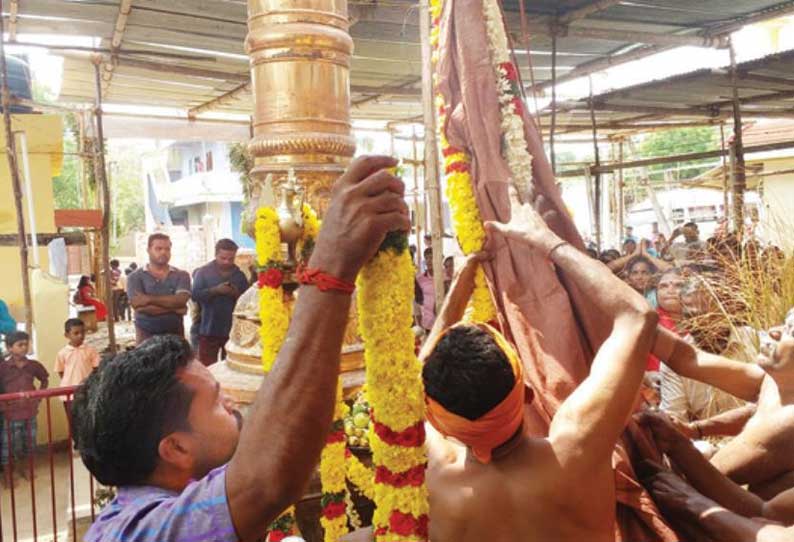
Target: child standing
75,361
17,374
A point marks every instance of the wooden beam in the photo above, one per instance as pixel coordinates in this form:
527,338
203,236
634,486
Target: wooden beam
104,278
432,173
215,102
71,238
740,176
585,11
752,77
125,7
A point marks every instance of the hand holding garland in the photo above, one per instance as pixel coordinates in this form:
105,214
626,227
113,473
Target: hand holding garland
291,415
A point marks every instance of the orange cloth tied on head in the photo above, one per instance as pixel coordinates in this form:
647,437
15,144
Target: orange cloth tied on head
495,427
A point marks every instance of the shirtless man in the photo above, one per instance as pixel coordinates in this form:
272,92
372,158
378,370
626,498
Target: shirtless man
506,486
762,455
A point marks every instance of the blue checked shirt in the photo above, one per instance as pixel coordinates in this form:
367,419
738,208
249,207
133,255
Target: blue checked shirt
152,514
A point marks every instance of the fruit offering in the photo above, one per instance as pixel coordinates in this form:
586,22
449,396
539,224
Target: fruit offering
357,423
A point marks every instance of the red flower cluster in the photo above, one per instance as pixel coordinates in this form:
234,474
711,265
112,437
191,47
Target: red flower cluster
519,105
510,70
407,525
412,437
334,437
414,476
333,510
277,536
459,167
449,151
272,278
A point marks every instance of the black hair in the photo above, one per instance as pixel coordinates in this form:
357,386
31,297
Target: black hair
72,322
428,250
133,266
84,281
127,406
15,337
467,373
690,225
632,263
225,244
114,263
156,237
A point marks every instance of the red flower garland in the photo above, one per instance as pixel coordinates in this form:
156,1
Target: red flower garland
412,477
333,510
457,167
510,71
277,536
519,105
272,278
336,436
413,437
407,525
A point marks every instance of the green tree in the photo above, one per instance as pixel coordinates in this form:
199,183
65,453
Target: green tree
680,141
66,186
126,173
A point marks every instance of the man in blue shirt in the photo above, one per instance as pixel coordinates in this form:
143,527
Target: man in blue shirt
159,293
216,287
154,423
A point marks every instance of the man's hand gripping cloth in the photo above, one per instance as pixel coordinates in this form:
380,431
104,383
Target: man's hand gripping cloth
547,318
495,427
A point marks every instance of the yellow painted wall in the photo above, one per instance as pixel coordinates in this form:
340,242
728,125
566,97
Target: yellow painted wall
50,297
45,145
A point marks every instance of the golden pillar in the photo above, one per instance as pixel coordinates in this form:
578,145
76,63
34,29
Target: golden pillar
300,54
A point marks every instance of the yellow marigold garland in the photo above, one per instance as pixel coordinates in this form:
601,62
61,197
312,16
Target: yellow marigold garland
273,312
466,218
332,476
360,476
395,392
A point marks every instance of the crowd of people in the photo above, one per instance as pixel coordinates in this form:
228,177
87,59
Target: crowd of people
716,393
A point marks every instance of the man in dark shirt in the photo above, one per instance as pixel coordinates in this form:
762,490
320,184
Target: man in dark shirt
159,293
18,373
216,287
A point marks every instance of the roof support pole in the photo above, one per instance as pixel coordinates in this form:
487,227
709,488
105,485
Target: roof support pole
432,185
102,182
13,12
11,155
597,176
739,179
553,127
726,200
620,188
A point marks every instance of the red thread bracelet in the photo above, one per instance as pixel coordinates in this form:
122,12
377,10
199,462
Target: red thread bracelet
323,281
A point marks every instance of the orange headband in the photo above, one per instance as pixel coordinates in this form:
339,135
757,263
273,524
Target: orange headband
496,426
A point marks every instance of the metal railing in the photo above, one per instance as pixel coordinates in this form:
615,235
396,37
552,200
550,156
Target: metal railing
23,511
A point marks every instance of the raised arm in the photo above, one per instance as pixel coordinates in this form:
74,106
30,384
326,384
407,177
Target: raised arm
455,303
740,379
284,434
587,425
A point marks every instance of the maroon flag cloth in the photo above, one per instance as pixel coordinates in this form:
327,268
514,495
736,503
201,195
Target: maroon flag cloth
548,319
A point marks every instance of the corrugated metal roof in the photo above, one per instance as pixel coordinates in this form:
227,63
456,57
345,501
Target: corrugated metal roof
209,34
765,85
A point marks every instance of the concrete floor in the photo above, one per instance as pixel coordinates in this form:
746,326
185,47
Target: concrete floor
46,531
